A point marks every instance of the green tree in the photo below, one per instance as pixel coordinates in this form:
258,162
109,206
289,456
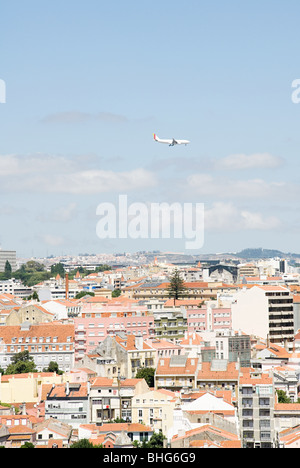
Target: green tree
155,441
116,293
7,270
53,367
85,443
176,289
58,269
282,397
84,293
34,296
146,373
27,445
32,273
22,363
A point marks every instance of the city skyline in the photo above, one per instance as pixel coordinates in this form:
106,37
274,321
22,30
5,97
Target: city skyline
88,84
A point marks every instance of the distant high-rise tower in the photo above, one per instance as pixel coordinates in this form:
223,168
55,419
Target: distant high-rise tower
11,257
283,266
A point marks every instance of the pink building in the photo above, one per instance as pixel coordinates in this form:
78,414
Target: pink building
93,327
208,318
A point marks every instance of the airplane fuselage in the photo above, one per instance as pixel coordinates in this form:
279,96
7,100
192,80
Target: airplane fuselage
171,142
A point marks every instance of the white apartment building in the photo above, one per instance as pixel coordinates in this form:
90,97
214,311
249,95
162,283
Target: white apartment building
264,311
45,343
15,287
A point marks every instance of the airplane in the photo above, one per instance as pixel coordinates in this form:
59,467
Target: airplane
172,142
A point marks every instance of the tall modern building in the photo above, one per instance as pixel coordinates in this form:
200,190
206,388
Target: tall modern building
10,256
256,401
265,311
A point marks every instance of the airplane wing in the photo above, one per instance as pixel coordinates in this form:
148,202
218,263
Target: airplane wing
181,142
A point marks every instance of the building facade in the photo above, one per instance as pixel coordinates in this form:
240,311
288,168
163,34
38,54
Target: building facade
265,311
68,403
256,402
112,398
8,256
45,343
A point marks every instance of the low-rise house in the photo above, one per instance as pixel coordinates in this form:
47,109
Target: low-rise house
68,403
63,309
164,348
135,431
204,433
209,404
218,374
112,398
176,373
227,444
52,431
8,302
139,354
5,410
19,430
191,344
4,434
289,438
19,435
108,439
29,313
154,408
125,354
286,416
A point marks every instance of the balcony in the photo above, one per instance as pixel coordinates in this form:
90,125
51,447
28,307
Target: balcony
248,436
265,436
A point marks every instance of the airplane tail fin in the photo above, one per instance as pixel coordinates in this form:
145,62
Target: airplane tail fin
155,136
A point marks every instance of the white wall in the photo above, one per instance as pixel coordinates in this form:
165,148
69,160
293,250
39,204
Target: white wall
250,312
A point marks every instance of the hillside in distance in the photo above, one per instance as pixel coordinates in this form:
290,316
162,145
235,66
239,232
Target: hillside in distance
255,254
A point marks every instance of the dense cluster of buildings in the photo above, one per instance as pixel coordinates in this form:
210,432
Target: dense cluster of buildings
225,357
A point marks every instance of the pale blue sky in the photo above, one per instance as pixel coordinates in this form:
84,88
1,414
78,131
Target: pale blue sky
88,82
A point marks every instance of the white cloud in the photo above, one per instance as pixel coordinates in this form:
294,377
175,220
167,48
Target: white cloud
92,182
58,174
220,187
53,240
251,161
15,165
258,221
227,217
64,214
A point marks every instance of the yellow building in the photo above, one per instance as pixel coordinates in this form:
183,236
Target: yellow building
138,353
32,313
25,388
154,408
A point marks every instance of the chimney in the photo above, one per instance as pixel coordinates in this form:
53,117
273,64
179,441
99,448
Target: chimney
139,342
67,388
67,285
